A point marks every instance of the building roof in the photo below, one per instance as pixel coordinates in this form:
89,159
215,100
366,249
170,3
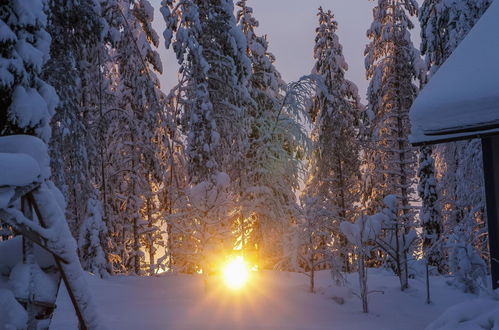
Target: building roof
461,100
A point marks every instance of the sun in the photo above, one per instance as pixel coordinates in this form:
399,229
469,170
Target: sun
236,273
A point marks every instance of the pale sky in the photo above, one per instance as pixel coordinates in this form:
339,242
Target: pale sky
290,26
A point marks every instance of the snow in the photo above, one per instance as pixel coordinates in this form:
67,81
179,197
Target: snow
463,93
274,300
11,253
12,315
18,170
479,313
31,146
43,287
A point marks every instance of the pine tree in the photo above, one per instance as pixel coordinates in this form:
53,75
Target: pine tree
429,215
271,169
212,53
333,185
90,245
392,64
133,124
73,146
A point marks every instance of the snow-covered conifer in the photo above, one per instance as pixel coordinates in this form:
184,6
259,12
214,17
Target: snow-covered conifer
91,240
270,175
333,185
215,70
429,215
392,65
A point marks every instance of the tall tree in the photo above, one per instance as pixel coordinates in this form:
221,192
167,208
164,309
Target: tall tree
73,146
333,185
430,217
270,175
392,65
215,71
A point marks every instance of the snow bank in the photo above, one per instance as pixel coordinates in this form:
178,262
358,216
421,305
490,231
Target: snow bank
28,145
12,314
464,92
11,253
28,280
18,170
475,314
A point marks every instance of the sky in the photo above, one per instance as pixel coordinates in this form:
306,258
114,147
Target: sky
290,26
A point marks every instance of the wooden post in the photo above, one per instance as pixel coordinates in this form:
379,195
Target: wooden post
490,148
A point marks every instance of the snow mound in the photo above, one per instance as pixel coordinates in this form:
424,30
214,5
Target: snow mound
29,280
12,314
29,145
11,253
18,169
479,313
337,293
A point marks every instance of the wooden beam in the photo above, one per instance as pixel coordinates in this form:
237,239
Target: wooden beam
433,139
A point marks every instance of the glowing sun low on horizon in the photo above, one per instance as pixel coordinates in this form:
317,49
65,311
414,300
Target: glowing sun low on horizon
236,273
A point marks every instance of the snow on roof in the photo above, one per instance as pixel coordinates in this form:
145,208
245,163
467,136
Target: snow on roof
462,98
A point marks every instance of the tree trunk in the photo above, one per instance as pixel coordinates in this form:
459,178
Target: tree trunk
363,283
312,279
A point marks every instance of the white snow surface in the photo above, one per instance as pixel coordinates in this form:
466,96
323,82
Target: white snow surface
18,170
31,146
464,92
479,313
274,300
43,287
12,315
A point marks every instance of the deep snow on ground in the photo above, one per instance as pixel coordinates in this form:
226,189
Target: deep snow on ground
273,300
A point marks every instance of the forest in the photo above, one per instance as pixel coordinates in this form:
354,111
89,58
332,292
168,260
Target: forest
114,175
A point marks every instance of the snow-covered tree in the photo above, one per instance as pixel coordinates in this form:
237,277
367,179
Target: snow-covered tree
131,127
392,65
73,146
215,70
395,241
270,175
91,242
429,214
26,108
362,234
333,184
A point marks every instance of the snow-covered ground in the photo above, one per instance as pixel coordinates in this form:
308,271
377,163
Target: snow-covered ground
274,300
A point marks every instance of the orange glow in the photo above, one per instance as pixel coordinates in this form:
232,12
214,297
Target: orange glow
236,273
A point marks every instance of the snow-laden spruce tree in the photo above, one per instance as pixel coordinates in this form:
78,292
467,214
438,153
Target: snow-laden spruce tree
333,186
90,240
73,146
271,172
429,215
445,23
131,126
392,65
26,108
211,51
